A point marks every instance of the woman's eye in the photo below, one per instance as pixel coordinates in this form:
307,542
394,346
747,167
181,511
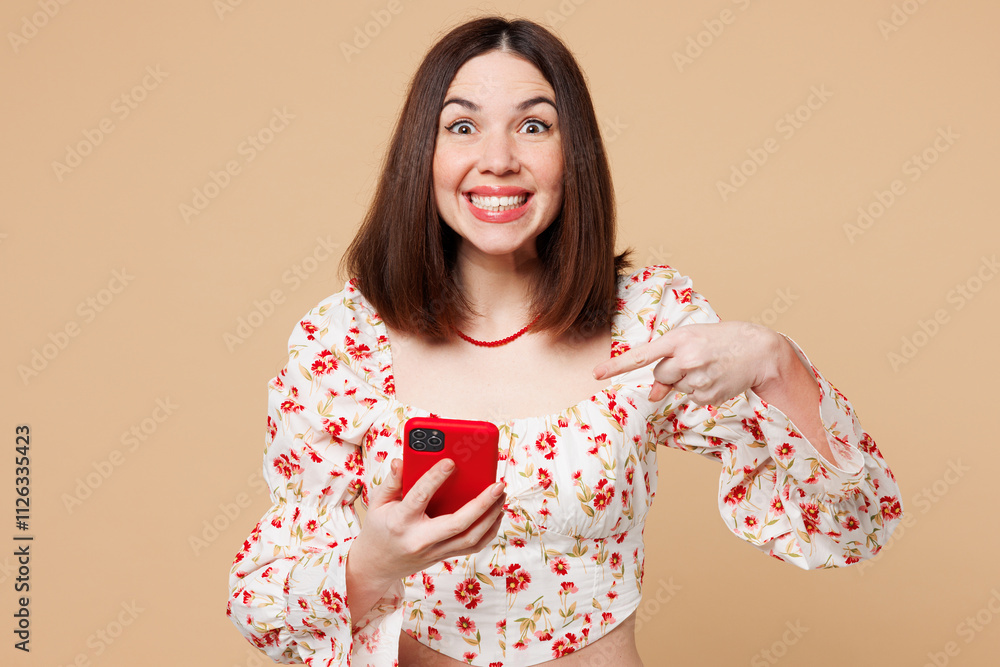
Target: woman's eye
538,125
459,124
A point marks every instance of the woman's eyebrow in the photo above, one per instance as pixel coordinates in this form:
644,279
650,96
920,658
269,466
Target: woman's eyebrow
523,106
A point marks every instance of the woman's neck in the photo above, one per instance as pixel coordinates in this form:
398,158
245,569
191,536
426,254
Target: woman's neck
499,288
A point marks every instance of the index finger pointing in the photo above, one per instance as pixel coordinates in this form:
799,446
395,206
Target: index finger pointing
637,357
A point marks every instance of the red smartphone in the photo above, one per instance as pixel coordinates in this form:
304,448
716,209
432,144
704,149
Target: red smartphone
472,445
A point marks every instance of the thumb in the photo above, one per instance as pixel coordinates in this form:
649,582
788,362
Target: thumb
391,488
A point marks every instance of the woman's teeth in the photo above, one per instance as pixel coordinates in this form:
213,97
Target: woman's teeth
496,204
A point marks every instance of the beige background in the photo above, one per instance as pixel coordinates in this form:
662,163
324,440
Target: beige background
673,133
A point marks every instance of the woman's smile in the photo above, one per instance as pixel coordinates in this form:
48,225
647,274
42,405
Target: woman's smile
498,203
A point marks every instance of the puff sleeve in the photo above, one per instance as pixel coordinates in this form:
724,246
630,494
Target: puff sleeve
288,583
775,490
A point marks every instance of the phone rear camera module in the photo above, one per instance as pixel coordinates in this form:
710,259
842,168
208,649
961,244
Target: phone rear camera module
426,440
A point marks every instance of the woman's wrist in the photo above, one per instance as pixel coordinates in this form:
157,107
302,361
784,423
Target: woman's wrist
366,580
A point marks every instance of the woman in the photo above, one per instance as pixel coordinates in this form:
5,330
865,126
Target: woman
485,286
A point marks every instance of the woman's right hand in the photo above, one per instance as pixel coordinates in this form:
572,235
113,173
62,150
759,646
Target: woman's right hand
399,539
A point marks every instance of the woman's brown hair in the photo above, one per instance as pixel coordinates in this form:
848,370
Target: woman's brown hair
403,257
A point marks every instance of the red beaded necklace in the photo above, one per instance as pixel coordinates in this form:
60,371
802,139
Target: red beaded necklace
496,343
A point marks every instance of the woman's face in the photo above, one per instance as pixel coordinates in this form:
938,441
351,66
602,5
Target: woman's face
498,136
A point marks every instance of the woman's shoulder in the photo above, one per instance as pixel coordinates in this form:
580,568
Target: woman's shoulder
654,299
651,281
346,325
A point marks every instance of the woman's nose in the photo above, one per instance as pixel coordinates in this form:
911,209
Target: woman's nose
499,154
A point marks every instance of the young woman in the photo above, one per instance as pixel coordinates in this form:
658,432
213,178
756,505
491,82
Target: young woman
484,285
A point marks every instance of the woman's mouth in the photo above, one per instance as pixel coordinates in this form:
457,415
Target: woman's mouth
496,204
489,208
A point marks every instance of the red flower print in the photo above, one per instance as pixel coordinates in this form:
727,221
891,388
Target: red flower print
324,363
618,412
868,446
501,626
752,426
517,578
354,463
850,560
850,523
559,566
544,478
334,428
361,351
684,296
546,442
543,635
607,617
469,656
285,466
311,525
616,560
309,328
785,450
810,511
891,508
600,501
332,601
517,542
569,587
750,521
565,645
437,612
290,406
428,584
466,625
618,348
467,592
272,427
736,494
433,633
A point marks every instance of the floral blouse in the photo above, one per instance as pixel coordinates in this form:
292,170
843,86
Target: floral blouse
566,566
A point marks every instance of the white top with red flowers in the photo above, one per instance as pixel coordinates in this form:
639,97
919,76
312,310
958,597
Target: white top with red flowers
567,564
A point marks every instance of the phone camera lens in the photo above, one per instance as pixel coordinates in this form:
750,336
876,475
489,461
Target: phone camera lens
418,445
418,433
434,441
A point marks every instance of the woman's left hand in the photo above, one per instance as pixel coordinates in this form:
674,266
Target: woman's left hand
711,363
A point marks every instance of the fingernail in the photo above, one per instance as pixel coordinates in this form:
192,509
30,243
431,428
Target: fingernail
497,489
448,465
599,373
